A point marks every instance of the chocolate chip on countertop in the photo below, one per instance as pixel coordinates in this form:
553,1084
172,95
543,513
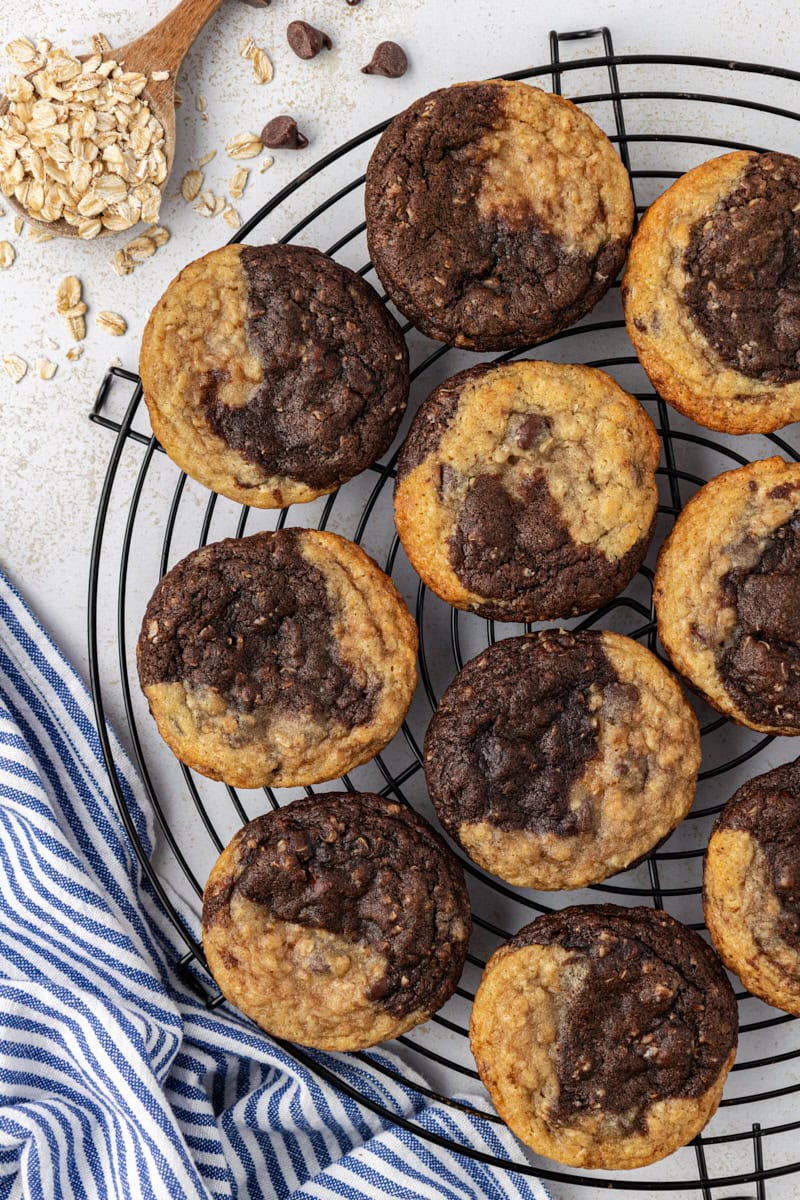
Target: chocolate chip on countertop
389,59
305,40
281,133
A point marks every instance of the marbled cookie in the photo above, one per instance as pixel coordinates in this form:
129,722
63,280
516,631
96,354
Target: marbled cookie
751,886
561,758
272,373
726,594
339,921
283,658
604,1035
527,491
496,214
712,292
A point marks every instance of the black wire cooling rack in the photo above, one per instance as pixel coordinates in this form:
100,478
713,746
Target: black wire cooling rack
672,113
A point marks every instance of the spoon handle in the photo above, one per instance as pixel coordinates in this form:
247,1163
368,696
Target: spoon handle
164,47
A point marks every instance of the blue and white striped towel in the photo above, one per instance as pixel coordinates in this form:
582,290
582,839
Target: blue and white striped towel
115,1080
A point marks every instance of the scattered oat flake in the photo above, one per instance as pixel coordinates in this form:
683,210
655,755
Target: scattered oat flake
158,235
100,44
231,217
68,293
77,327
159,76
247,47
74,353
116,361
191,184
200,103
207,158
141,247
112,323
238,182
45,369
7,255
39,235
122,264
262,67
266,164
244,145
16,367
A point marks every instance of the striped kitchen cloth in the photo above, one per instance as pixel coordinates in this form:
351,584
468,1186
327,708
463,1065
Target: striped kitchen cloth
115,1080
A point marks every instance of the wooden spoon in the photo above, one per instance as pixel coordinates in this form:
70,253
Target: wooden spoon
163,48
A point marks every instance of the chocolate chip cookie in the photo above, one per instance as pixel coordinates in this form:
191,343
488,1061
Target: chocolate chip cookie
496,214
279,659
751,886
339,921
712,292
726,589
561,758
526,491
272,374
604,1035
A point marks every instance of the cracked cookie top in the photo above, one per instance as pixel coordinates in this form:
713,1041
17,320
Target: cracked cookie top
273,373
369,909
283,658
497,214
526,491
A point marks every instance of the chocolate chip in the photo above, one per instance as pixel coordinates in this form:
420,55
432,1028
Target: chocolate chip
389,59
305,40
281,133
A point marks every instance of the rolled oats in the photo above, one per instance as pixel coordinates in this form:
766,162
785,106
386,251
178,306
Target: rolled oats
262,67
191,184
77,327
207,158
68,294
266,164
7,255
159,76
113,323
238,182
247,47
244,145
74,353
16,368
45,369
231,217
77,141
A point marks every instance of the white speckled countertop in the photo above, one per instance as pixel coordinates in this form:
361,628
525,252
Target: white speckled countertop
54,460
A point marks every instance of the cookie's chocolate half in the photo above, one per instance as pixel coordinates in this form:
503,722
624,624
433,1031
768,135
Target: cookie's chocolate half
526,491
751,886
742,268
280,658
726,590
761,665
712,292
496,214
561,758
338,922
273,374
605,1034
